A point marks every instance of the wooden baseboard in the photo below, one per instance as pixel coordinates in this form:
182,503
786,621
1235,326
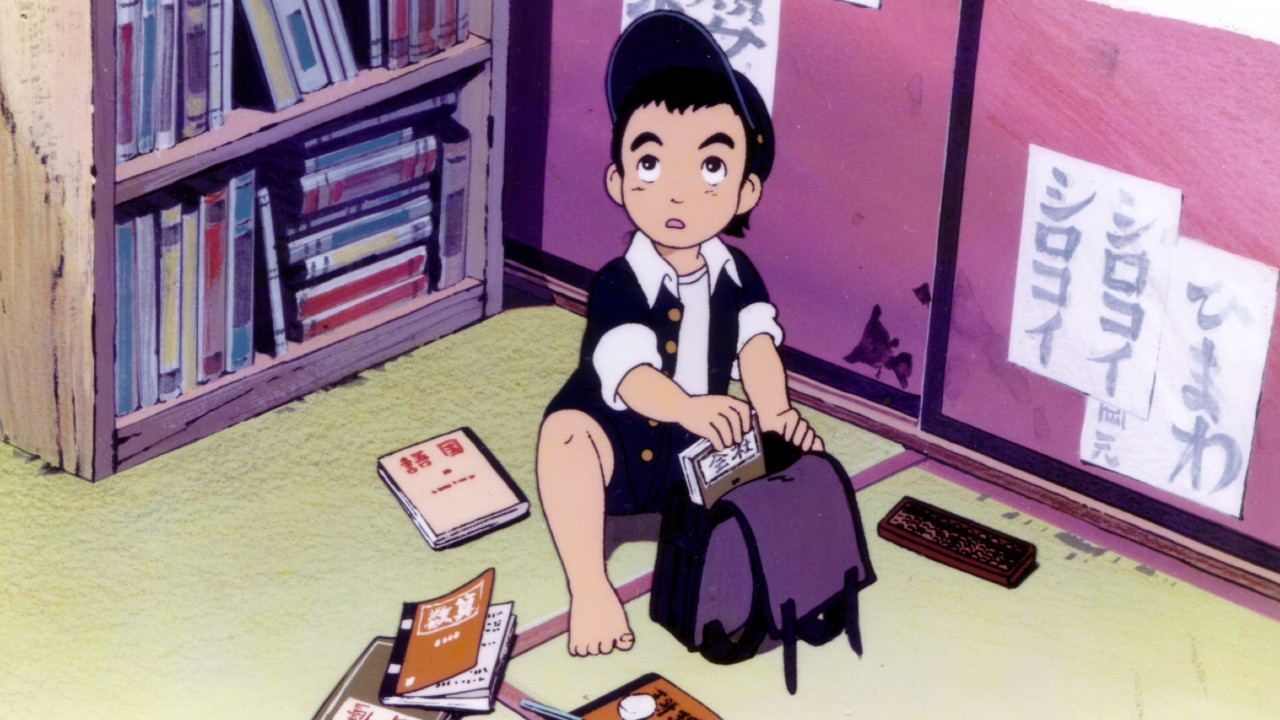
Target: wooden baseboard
904,429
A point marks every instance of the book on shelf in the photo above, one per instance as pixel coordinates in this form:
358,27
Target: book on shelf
240,272
300,44
342,213
324,297
311,327
221,59
170,302
450,652
190,359
326,42
367,175
464,20
710,473
422,29
446,29
342,38
212,337
270,296
453,488
165,106
363,226
355,697
378,122
318,266
146,312
269,82
455,178
126,370
128,70
397,33
144,98
195,67
335,157
216,60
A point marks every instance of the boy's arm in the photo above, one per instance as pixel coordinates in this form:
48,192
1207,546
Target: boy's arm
722,419
765,381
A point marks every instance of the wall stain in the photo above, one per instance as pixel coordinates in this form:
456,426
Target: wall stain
876,348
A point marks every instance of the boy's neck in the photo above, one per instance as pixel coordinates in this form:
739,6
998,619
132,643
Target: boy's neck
683,260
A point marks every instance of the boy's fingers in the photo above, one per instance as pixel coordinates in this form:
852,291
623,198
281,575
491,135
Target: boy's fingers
806,442
818,445
734,422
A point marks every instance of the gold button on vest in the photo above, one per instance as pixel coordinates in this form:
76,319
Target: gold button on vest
674,314
646,455
671,347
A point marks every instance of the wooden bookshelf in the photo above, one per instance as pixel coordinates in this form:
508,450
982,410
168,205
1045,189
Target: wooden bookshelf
59,183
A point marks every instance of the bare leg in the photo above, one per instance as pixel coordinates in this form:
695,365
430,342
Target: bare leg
575,462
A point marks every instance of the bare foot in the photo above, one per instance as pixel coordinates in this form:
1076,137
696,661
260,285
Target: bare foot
598,623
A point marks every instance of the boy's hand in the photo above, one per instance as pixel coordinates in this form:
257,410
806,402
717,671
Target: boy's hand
719,418
793,428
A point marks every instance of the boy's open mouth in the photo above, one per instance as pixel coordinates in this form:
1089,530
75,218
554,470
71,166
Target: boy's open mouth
675,224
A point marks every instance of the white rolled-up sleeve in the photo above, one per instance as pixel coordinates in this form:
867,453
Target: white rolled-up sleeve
760,318
621,350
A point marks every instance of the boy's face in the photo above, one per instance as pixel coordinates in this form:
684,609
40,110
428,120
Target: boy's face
681,179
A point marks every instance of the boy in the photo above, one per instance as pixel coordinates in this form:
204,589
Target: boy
670,321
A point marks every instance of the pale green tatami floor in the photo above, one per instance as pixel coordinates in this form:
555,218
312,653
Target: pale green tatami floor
239,577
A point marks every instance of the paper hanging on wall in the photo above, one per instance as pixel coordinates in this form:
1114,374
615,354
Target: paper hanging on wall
1094,257
865,3
746,29
1197,441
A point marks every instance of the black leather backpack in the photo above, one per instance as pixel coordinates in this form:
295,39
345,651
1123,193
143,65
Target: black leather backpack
782,557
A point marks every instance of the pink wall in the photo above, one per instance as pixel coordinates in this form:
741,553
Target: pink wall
1187,106
849,217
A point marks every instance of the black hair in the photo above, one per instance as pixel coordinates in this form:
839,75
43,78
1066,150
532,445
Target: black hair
681,89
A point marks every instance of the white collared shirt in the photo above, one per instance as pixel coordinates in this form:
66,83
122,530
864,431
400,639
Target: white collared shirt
626,347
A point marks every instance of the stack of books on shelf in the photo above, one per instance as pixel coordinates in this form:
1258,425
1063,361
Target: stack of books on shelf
447,657
362,212
180,63
298,240
188,280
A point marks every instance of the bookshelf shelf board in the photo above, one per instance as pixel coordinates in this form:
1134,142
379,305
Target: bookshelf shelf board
248,130
271,382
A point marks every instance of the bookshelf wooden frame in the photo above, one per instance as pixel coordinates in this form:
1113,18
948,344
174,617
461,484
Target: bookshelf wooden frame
59,184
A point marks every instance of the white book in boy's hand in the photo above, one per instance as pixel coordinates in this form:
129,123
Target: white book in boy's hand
710,473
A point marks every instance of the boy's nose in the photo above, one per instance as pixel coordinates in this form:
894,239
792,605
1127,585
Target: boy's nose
676,201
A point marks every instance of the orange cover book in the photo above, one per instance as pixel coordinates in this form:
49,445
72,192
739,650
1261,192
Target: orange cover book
452,487
443,637
450,652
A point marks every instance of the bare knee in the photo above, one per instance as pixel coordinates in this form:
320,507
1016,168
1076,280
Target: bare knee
573,441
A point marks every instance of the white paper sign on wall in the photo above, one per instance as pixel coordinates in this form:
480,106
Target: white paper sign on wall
1094,256
1198,438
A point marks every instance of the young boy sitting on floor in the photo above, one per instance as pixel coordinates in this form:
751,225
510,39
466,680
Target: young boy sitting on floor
671,321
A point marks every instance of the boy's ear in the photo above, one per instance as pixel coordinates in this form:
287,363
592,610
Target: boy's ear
613,183
749,193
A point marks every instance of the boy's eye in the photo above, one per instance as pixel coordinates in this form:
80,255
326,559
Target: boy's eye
648,168
713,170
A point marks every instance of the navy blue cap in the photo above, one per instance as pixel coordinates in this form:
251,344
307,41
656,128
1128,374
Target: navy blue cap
666,39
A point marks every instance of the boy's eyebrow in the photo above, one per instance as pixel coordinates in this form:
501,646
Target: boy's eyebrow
643,138
717,138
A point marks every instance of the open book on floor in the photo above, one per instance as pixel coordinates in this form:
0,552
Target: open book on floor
450,652
453,488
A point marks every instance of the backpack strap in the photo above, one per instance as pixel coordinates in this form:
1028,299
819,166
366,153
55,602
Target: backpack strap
789,644
852,627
